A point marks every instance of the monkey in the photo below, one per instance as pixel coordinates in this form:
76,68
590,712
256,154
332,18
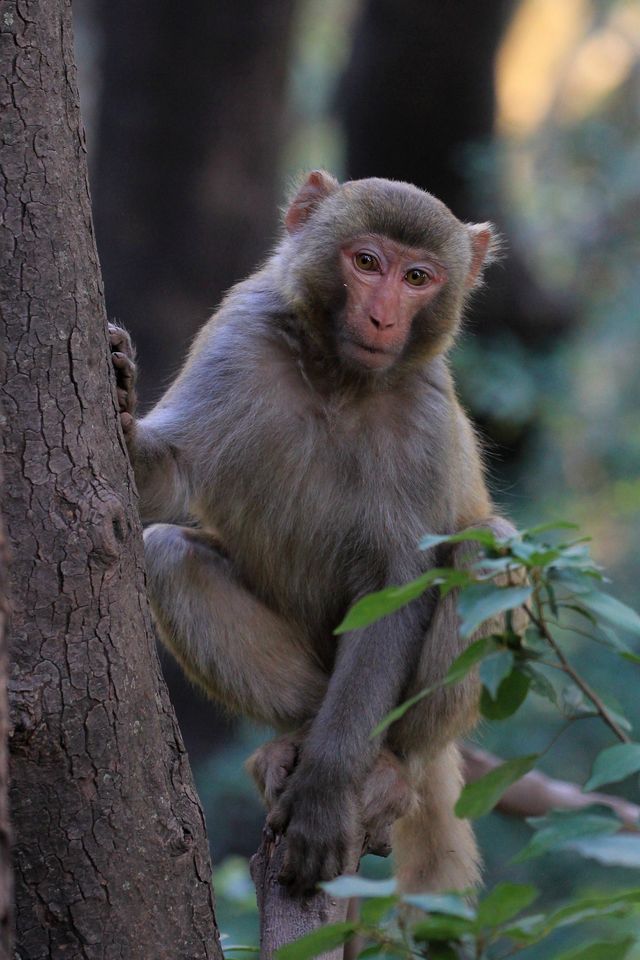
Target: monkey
313,435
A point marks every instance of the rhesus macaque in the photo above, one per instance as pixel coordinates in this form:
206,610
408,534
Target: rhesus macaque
314,435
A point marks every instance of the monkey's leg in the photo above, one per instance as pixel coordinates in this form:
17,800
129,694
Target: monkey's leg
450,711
241,652
434,849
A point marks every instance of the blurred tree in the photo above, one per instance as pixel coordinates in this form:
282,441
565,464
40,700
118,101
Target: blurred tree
185,178
418,103
110,851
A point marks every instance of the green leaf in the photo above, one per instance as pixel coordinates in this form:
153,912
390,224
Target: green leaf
533,928
592,908
443,951
441,927
482,535
481,601
372,911
481,797
448,903
560,827
383,951
400,711
620,850
615,612
614,764
318,941
504,902
572,580
467,660
458,669
380,604
535,641
354,886
616,950
526,929
511,695
551,525
541,684
534,554
494,669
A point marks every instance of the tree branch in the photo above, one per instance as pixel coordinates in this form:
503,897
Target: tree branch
536,794
284,918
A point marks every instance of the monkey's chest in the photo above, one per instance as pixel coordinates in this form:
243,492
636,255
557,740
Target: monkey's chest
313,523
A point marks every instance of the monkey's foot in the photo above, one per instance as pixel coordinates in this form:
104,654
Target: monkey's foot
387,795
272,763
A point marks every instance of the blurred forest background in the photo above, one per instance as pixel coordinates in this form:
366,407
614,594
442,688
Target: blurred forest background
524,113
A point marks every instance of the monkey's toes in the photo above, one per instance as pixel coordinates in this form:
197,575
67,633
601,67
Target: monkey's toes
271,765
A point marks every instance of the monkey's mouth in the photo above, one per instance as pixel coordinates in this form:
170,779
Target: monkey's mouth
367,355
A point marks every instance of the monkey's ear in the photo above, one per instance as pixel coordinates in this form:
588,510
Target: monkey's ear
485,249
317,185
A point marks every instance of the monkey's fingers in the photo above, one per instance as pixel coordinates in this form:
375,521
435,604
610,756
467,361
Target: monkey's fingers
127,423
125,367
120,340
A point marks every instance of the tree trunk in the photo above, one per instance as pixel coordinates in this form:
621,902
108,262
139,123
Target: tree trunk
6,880
110,855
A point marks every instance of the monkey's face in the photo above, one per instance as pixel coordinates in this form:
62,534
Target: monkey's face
387,286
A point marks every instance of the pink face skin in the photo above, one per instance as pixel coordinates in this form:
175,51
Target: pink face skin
387,284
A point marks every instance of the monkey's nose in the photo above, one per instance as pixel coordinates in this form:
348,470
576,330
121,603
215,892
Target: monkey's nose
380,324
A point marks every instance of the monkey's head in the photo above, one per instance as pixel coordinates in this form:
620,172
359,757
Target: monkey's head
379,270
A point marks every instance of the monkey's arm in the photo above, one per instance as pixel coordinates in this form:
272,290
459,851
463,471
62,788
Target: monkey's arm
160,468
318,807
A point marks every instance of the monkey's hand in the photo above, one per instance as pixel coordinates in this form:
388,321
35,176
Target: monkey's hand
321,824
123,359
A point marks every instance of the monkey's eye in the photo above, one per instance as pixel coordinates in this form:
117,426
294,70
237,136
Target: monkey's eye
366,261
416,277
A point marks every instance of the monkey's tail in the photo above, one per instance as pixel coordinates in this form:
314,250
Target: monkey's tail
434,849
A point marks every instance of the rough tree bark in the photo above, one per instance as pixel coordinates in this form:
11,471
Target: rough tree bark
110,855
6,880
282,918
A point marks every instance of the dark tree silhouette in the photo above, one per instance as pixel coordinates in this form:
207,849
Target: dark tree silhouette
110,851
417,101
186,172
